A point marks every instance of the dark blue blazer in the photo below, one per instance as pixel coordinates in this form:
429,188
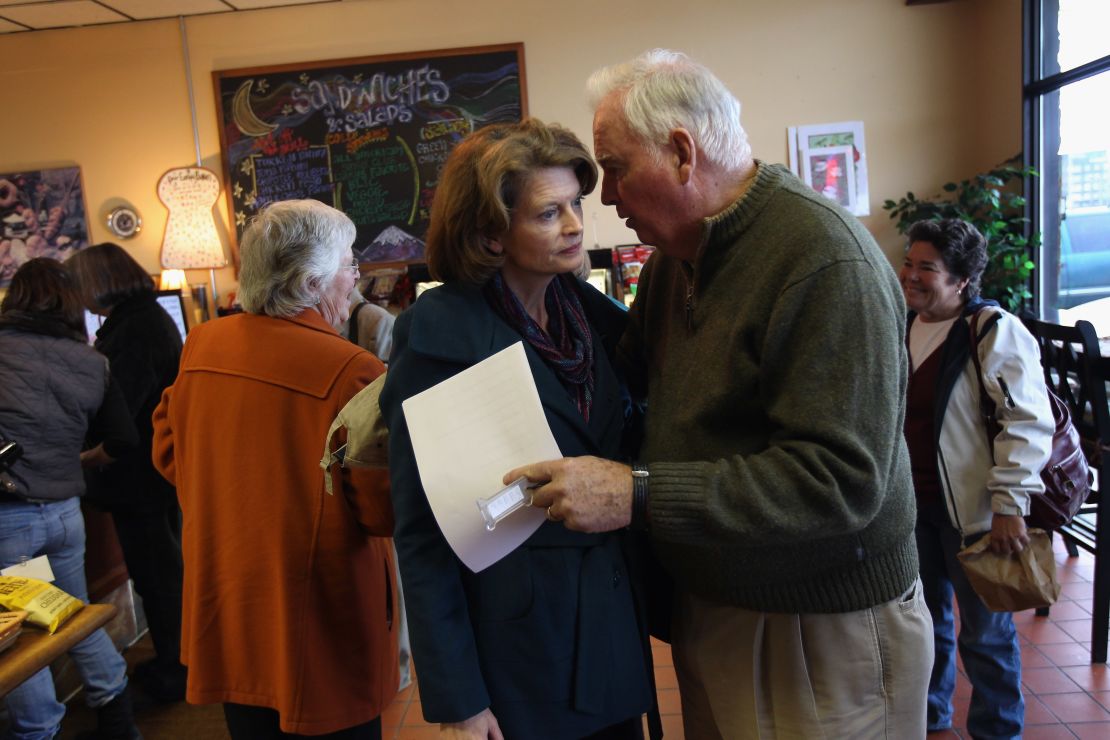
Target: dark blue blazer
549,637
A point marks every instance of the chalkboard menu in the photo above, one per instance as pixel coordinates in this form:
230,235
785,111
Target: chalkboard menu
368,136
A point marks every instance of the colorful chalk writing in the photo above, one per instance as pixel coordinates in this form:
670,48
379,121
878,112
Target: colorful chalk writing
369,136
303,174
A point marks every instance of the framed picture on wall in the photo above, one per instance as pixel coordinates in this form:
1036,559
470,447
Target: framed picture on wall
805,142
42,214
829,171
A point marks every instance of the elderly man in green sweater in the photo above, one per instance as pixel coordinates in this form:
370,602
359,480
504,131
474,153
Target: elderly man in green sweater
775,482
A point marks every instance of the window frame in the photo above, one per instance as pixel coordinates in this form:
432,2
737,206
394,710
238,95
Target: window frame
1040,191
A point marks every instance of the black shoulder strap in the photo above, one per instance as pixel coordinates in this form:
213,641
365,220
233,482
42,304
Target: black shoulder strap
352,323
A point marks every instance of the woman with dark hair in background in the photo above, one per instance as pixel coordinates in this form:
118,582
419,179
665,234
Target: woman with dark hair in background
55,391
143,346
966,483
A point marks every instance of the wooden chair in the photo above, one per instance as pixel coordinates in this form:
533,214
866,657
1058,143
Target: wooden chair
1075,370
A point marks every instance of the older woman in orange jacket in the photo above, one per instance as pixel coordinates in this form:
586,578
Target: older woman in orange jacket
289,594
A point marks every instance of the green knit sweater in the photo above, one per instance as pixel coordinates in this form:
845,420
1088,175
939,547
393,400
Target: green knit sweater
776,375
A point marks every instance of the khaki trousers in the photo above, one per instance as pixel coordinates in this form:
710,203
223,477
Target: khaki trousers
745,674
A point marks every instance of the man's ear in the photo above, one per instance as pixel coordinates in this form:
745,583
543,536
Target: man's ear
685,154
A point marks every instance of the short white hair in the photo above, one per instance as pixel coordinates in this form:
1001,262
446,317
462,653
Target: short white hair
663,90
289,254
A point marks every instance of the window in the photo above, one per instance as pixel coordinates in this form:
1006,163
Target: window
1067,132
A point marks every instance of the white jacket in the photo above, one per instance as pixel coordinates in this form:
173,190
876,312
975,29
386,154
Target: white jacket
975,487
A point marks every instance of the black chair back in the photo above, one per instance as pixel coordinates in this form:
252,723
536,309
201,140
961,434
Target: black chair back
1072,368
1076,371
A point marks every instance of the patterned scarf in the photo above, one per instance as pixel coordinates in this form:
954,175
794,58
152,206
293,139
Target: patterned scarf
567,345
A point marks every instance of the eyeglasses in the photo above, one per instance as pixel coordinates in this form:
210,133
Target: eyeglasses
353,265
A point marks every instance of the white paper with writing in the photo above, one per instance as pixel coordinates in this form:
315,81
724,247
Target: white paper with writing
467,432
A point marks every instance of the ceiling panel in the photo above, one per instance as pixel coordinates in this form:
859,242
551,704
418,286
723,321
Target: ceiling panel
255,4
61,14
144,9
24,15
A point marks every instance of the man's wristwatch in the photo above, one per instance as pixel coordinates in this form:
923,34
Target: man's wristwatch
640,478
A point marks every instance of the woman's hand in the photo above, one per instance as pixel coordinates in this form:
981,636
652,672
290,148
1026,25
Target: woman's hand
96,458
1008,534
482,726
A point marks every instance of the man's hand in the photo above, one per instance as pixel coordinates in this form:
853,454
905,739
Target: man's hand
482,726
1008,534
587,494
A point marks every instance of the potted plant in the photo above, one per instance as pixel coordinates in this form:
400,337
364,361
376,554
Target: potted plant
993,203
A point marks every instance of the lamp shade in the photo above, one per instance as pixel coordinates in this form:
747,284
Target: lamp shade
191,240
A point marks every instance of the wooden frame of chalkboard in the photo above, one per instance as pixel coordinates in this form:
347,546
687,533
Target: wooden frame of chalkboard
366,135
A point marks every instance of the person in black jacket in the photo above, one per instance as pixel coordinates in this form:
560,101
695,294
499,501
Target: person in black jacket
549,642
143,345
56,391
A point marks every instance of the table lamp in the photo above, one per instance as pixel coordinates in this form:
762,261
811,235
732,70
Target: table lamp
191,241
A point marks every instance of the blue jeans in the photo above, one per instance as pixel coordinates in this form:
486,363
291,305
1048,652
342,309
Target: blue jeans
988,643
56,530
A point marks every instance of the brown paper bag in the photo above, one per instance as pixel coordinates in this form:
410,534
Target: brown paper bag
1012,583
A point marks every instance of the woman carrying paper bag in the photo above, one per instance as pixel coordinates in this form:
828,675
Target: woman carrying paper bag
966,484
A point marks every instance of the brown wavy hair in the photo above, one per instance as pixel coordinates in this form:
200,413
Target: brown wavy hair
478,188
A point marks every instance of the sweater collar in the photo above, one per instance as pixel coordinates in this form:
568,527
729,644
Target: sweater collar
723,229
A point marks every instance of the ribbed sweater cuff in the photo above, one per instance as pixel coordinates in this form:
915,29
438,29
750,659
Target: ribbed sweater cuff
676,500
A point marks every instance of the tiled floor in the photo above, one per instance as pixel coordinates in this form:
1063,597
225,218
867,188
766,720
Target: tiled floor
1065,696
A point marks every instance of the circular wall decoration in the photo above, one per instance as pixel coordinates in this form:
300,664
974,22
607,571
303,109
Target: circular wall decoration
124,222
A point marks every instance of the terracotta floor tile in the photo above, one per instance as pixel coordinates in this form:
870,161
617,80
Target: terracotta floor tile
672,726
1036,713
665,678
1086,605
669,702
1078,629
414,717
1070,572
394,714
1043,633
1065,610
1090,677
1033,657
1077,707
1102,697
959,714
1047,732
661,655
1091,730
1078,590
1063,654
1042,681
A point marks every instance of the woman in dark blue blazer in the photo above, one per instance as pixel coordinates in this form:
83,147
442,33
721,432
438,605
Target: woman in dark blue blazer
548,642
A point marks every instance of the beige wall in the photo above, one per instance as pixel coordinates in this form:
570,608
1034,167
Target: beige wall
937,86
